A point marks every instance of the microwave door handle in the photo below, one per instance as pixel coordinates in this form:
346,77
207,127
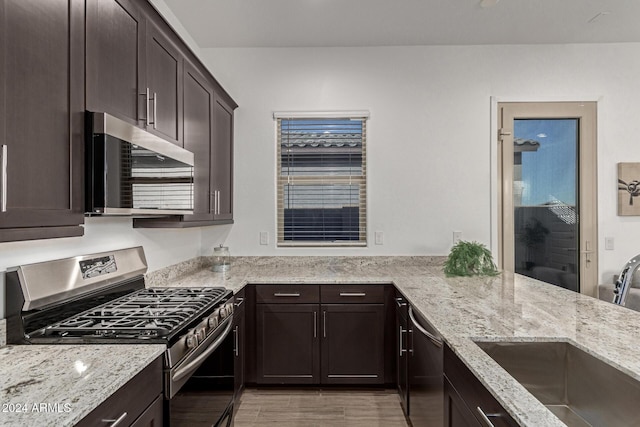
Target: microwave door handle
195,363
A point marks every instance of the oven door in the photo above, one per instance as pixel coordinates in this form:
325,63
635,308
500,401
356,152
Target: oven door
199,390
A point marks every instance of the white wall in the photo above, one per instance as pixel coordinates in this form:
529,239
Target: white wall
162,247
430,157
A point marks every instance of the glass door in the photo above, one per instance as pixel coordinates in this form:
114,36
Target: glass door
548,193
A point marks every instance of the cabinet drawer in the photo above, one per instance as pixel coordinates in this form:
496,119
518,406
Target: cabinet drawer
287,294
476,397
365,294
133,398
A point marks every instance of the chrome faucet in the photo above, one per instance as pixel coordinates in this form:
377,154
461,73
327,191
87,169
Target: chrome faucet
624,281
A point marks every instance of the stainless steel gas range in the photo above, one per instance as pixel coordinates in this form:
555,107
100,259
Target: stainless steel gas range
101,298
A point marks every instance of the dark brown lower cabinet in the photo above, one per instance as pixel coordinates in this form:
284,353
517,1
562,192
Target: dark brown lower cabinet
352,344
456,413
466,401
138,403
288,346
328,334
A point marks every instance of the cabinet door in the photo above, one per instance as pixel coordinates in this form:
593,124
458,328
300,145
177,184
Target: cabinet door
352,343
473,393
222,159
115,34
456,413
198,102
287,344
164,80
41,130
152,416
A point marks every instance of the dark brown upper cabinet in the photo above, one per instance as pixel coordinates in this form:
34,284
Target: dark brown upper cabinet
115,59
41,119
134,69
164,82
222,159
198,126
207,128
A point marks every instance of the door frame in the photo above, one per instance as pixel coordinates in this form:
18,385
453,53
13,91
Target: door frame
586,287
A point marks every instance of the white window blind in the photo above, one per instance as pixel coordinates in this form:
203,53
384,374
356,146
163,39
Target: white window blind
321,181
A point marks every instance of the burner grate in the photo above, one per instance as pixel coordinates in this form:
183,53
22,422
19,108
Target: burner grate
153,312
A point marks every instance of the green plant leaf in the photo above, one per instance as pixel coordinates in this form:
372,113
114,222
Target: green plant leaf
470,259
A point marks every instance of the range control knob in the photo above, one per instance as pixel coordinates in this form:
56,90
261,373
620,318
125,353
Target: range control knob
191,341
229,309
223,312
214,320
201,333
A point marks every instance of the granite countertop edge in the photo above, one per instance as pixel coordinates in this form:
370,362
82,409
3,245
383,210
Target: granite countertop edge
507,307
61,384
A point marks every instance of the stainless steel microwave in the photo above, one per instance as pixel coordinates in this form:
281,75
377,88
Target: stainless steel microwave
132,172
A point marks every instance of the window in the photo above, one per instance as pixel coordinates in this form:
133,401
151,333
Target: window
322,180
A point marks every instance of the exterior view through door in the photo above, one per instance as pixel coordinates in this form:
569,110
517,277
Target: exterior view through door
548,195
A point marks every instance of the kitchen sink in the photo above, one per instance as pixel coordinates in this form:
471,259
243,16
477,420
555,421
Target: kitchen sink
577,387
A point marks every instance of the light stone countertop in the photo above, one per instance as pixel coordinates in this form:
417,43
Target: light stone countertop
502,308
58,385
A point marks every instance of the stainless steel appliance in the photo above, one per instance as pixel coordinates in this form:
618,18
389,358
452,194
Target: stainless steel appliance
101,298
624,282
130,171
426,386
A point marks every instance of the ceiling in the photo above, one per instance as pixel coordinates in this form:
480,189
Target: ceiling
319,23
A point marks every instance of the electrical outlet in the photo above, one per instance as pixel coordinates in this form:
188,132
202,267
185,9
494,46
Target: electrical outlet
379,238
264,237
457,236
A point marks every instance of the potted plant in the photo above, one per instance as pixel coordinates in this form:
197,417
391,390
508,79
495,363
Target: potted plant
470,259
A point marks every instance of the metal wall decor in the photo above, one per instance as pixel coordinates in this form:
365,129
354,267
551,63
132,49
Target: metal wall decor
628,189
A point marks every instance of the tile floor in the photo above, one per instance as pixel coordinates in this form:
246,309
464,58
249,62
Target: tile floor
319,408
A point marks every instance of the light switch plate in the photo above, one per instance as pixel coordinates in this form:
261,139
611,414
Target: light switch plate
609,243
379,237
457,236
264,237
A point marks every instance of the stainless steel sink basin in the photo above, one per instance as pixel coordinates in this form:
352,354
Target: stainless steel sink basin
578,388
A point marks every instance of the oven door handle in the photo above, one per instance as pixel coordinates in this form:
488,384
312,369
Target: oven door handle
195,363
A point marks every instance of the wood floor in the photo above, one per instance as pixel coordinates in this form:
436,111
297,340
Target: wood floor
319,408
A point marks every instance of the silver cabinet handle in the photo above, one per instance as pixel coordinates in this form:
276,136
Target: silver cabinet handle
117,421
3,178
402,349
286,294
435,340
148,107
239,302
353,294
315,324
236,332
155,109
212,202
485,417
324,324
218,204
400,302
